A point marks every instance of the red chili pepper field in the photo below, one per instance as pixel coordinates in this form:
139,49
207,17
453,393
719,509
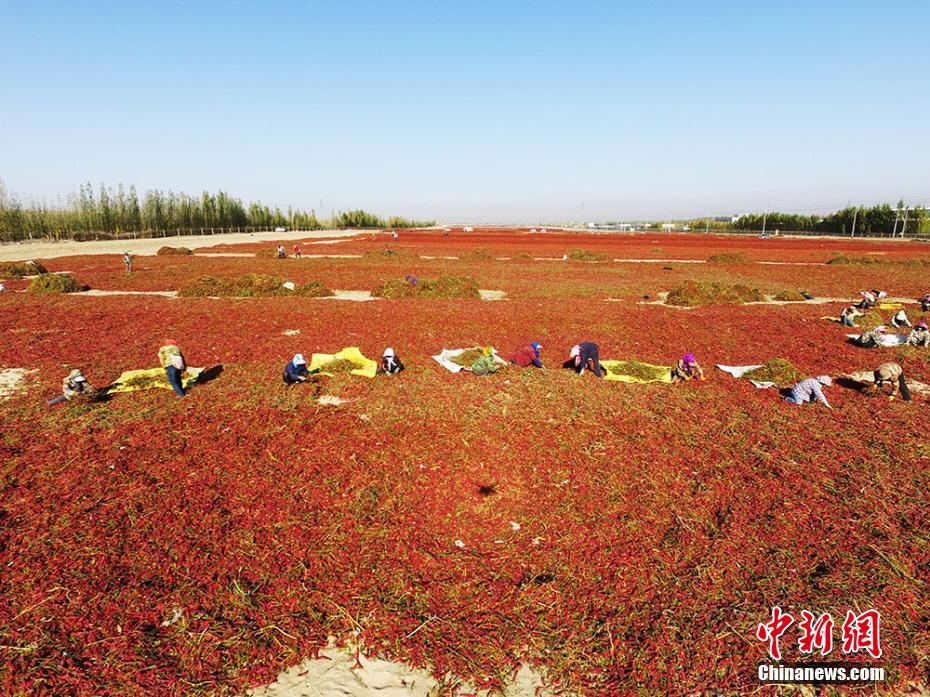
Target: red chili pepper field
626,538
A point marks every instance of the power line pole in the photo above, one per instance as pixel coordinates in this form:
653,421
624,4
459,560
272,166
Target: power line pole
855,215
904,226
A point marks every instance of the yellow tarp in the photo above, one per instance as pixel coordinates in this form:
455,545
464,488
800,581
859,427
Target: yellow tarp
152,378
891,306
367,368
664,377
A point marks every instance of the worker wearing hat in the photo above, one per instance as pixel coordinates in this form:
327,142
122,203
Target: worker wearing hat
73,386
296,370
390,362
919,335
872,338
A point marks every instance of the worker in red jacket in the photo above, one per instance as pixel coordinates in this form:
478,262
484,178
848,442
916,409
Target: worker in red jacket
527,356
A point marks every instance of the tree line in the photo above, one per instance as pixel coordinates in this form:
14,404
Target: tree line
881,220
108,212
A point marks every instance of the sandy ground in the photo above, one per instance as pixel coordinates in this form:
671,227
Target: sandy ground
48,249
12,380
334,673
331,400
492,294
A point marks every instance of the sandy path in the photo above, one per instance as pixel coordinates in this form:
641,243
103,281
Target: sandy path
48,249
335,673
12,380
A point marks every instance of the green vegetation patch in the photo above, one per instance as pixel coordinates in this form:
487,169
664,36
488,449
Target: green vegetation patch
579,254
253,285
728,258
778,370
791,296
53,283
19,269
467,357
477,255
696,293
641,371
447,287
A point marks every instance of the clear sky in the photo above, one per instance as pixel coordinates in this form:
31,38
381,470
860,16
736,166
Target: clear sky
509,111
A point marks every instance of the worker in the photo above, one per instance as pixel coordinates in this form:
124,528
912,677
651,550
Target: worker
390,362
687,369
872,338
281,253
127,260
900,319
172,360
487,364
394,235
892,373
925,303
919,335
296,370
527,356
584,355
297,251
72,387
848,316
810,390
868,300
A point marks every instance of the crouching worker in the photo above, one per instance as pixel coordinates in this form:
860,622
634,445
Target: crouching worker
848,316
687,369
296,370
919,335
893,374
172,360
390,363
871,338
486,364
584,355
810,390
900,319
527,356
74,386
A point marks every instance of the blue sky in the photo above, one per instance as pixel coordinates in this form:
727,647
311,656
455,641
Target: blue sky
473,111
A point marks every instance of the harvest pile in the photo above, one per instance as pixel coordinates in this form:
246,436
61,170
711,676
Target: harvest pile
339,365
446,287
696,293
19,269
627,538
778,370
467,357
578,254
728,258
253,285
643,371
53,283
173,251
477,255
791,296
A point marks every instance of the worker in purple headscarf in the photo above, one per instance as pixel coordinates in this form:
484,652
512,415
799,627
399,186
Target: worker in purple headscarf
687,369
